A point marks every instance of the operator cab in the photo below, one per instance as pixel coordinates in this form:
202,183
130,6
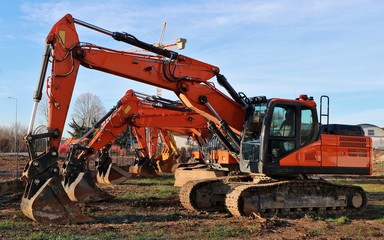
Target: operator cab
275,128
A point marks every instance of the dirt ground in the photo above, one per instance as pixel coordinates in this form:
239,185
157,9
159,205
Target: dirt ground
167,219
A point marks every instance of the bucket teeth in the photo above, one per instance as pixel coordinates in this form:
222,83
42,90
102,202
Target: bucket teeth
50,204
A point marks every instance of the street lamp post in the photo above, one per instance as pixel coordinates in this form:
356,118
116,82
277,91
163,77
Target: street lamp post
16,145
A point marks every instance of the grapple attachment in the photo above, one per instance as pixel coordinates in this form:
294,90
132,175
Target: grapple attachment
48,203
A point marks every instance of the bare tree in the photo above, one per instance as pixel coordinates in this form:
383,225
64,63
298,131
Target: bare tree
7,138
88,109
43,110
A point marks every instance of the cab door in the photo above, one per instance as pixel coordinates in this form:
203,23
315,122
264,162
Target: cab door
292,127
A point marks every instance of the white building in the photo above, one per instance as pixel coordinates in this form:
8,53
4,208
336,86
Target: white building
376,133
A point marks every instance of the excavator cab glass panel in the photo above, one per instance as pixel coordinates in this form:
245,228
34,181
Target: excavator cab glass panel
282,130
250,147
291,126
306,126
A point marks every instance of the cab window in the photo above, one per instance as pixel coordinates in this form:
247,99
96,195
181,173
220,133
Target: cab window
306,126
282,130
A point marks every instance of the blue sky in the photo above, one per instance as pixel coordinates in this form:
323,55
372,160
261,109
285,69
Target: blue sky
276,48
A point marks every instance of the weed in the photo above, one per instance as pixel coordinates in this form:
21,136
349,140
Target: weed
314,231
223,232
141,226
339,220
56,236
229,231
253,229
381,220
107,236
7,225
148,235
156,192
162,179
151,188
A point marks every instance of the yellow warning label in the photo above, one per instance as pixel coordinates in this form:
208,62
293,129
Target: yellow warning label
127,109
62,36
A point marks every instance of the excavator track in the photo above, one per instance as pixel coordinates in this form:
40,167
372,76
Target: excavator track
292,197
208,194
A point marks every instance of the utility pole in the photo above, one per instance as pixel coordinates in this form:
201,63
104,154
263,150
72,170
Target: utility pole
16,145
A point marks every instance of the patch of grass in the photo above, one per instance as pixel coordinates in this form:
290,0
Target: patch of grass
161,179
372,187
141,219
159,187
155,191
56,236
149,235
7,225
219,232
228,231
367,186
339,220
107,236
381,220
222,232
253,229
378,169
141,226
314,231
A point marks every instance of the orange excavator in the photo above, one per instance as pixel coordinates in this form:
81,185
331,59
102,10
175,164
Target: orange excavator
278,143
140,112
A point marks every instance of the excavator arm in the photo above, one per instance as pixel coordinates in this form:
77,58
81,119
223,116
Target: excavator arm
139,111
187,77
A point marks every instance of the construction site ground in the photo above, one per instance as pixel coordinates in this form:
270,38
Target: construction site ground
150,209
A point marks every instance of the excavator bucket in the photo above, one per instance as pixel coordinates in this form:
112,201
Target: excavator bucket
83,188
113,174
146,170
50,204
107,171
165,166
165,162
143,167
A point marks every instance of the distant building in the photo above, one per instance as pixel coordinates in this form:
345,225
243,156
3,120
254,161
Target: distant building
376,133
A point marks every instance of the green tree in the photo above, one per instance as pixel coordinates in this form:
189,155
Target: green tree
125,138
77,130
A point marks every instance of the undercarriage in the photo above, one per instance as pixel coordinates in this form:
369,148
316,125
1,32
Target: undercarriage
248,195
